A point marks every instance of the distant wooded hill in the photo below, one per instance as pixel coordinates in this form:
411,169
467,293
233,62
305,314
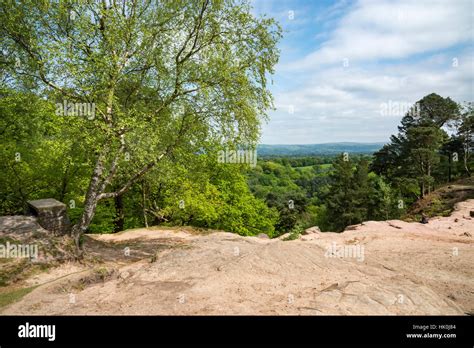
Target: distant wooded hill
318,149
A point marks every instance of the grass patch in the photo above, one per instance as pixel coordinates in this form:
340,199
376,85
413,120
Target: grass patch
98,275
5,239
295,233
441,202
14,270
15,295
11,270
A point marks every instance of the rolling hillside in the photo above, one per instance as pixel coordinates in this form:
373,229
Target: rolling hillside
318,149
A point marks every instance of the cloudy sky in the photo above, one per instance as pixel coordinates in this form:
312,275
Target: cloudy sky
349,69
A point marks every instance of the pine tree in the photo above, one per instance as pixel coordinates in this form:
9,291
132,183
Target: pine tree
360,192
466,135
340,200
413,154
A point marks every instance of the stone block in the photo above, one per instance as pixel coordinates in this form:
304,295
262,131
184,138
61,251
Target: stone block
51,214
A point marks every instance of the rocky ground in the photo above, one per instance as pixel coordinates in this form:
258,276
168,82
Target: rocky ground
390,267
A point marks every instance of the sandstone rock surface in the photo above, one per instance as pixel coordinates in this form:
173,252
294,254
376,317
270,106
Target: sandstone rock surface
388,267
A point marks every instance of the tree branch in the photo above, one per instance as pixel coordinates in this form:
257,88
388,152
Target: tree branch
130,182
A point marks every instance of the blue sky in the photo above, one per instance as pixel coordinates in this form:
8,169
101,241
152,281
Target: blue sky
349,70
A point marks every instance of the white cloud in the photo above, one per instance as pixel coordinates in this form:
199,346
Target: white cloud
333,103
392,30
345,104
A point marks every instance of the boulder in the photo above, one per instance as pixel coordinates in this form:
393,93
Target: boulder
263,236
311,230
284,236
352,227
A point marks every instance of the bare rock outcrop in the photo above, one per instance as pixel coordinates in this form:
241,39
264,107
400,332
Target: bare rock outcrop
385,267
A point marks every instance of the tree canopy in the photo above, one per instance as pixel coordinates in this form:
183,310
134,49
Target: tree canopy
162,78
